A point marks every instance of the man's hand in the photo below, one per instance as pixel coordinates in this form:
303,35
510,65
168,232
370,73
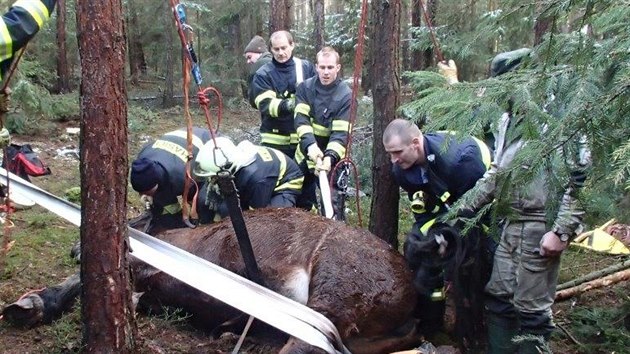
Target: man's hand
314,153
147,201
551,245
449,71
5,138
323,165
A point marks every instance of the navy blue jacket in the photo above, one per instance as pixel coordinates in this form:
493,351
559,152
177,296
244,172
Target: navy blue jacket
453,167
171,153
273,84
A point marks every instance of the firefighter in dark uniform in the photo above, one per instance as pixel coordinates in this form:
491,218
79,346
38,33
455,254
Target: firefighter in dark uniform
264,177
159,172
257,55
273,93
24,19
322,122
435,170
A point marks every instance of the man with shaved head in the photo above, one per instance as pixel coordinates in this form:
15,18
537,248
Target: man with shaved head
435,169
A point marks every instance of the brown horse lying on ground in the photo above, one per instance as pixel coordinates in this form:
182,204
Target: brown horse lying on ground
347,274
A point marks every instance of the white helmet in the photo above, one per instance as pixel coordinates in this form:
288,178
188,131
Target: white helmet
211,159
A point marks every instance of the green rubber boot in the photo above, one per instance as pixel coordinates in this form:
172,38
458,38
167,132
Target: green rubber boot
501,331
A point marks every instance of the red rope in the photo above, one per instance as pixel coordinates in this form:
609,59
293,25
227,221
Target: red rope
358,68
204,102
427,20
8,207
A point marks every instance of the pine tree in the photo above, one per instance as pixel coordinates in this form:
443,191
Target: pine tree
575,83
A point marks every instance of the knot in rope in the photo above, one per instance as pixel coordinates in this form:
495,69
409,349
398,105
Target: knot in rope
203,99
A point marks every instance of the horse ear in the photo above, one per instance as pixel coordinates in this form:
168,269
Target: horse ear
450,234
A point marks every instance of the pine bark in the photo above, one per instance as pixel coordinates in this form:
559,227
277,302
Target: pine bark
542,24
106,294
427,55
168,98
416,22
63,72
318,24
595,275
385,48
137,61
280,15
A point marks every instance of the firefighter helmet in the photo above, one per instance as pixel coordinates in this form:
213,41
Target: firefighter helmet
211,159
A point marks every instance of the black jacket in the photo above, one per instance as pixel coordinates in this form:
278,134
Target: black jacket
322,116
262,60
273,84
22,23
270,174
170,151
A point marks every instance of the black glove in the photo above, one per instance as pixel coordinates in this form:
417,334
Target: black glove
418,247
287,105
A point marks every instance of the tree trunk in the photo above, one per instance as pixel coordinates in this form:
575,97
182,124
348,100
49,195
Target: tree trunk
63,73
280,15
595,275
168,99
427,55
106,295
318,24
542,24
234,30
386,93
623,275
137,61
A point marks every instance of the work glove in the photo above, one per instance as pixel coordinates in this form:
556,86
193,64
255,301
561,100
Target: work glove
323,165
147,201
449,71
287,105
5,138
314,153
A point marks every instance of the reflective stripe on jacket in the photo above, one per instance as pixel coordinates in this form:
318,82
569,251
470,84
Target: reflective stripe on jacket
19,25
170,151
322,116
271,173
453,167
273,83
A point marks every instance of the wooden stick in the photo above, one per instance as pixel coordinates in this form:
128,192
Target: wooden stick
594,275
566,331
598,283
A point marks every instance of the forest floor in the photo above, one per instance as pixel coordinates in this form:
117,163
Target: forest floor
40,257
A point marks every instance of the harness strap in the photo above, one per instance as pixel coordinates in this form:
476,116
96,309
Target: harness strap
299,71
285,314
